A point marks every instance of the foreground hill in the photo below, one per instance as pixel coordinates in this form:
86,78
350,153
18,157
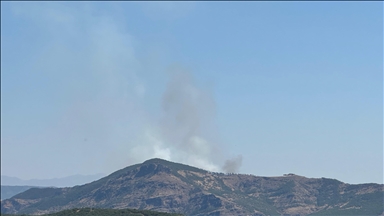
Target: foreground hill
171,187
106,212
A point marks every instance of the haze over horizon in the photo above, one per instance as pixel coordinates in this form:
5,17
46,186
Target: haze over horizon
262,88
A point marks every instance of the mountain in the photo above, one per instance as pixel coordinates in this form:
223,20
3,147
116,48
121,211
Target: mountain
10,191
106,212
165,186
54,182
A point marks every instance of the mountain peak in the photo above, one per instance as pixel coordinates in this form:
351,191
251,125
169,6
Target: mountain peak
156,160
173,165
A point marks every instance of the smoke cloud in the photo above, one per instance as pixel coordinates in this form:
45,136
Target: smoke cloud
187,110
233,165
187,114
183,132
102,89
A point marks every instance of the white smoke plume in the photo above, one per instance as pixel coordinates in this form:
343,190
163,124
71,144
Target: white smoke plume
103,121
187,109
182,132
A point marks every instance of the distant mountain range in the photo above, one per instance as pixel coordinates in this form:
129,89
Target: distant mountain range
165,186
69,181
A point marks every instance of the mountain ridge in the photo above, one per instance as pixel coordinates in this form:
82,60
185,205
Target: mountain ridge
166,186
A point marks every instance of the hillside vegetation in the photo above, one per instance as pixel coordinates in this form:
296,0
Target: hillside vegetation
164,186
105,212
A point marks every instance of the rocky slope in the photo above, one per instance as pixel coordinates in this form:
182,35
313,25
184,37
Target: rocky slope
171,187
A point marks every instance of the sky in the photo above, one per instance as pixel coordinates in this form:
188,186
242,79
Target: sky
262,88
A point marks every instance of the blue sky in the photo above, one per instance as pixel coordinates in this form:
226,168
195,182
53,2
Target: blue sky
289,87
